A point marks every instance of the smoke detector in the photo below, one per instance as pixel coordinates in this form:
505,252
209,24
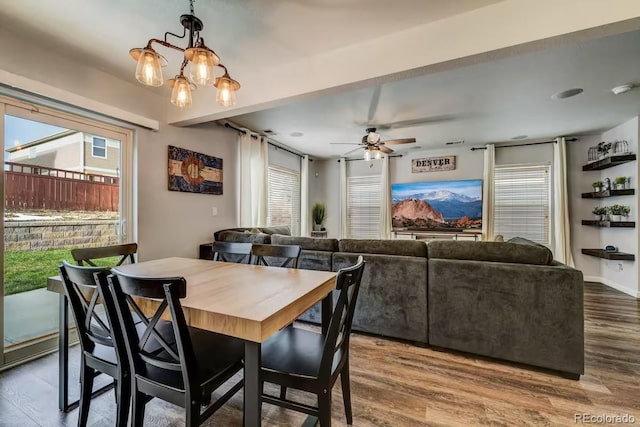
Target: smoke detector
622,89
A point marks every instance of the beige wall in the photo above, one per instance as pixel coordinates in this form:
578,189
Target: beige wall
63,153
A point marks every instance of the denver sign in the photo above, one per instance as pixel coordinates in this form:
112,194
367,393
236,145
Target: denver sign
433,164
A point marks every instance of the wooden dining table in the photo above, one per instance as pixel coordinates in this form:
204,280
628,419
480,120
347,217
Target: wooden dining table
249,302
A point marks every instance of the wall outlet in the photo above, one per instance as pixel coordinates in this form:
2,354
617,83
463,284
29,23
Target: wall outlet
620,267
214,211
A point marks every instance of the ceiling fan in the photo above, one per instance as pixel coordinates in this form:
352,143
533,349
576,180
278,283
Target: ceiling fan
373,144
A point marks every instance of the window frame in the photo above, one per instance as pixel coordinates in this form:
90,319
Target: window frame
94,146
295,225
373,218
547,208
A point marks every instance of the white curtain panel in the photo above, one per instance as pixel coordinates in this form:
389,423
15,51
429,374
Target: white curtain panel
385,208
343,198
305,218
254,162
561,226
488,191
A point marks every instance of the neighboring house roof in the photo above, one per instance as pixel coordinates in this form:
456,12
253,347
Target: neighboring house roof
41,141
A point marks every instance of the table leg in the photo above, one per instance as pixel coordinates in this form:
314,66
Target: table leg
327,309
63,353
252,386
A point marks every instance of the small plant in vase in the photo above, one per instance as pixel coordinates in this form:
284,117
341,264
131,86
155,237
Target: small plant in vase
603,149
600,212
618,211
319,214
620,182
598,186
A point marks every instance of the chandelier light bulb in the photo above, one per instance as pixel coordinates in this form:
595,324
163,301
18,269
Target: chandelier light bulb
203,62
367,154
149,69
181,93
226,94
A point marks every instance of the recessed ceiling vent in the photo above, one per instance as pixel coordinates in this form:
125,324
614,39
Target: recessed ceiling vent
454,142
567,93
268,132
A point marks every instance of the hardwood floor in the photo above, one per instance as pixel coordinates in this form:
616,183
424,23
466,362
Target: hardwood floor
397,384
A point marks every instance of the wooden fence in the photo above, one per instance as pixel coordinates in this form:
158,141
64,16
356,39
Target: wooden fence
35,187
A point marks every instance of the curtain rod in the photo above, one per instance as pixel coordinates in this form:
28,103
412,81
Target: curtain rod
524,145
244,132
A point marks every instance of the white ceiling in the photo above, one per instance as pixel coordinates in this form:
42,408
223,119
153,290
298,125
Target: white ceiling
488,102
484,102
247,34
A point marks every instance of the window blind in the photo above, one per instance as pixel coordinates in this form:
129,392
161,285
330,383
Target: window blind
364,200
522,202
284,199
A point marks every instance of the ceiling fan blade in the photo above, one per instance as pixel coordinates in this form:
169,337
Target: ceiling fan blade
419,122
399,141
373,105
385,150
352,151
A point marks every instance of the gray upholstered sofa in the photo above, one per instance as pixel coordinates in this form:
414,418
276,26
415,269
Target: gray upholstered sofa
506,300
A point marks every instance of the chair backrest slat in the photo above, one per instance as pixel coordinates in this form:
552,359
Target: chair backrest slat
88,255
154,347
84,297
337,339
232,252
276,255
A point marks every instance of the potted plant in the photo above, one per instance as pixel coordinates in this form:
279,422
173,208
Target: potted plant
319,214
603,149
598,186
626,210
600,212
619,182
617,211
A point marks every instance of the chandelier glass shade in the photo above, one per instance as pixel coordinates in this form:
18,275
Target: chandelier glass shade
202,62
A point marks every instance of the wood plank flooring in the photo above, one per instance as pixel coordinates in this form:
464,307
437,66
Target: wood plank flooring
397,384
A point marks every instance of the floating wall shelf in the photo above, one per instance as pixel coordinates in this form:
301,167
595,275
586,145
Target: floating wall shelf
601,253
609,193
612,224
609,162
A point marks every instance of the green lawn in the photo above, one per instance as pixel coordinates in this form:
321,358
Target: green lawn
28,270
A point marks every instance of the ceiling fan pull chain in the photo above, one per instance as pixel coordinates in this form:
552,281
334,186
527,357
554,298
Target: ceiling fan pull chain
191,7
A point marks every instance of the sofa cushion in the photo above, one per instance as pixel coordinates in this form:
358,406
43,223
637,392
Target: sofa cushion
308,243
242,237
384,247
276,230
511,252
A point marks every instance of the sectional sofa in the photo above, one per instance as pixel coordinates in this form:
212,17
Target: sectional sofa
504,300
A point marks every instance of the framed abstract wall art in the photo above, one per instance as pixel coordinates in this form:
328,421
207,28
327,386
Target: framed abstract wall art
194,172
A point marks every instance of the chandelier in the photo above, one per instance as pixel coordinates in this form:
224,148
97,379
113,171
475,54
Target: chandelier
202,61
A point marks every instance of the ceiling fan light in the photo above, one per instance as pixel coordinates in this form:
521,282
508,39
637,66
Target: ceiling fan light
227,88
203,62
181,92
378,154
367,154
149,68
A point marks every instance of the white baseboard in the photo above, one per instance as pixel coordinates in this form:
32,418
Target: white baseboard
616,286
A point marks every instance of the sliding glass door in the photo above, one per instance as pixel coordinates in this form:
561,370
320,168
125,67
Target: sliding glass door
65,186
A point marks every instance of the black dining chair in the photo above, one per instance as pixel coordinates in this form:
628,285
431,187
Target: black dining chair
97,341
89,255
275,255
310,361
232,252
185,372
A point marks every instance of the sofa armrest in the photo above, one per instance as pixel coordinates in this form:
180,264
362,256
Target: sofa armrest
524,313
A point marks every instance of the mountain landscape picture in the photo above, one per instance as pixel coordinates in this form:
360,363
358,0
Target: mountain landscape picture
437,205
